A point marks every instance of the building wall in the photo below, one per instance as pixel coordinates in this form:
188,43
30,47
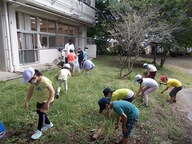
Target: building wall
48,54
71,8
92,50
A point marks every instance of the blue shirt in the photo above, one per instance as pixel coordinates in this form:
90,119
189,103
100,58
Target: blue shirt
129,109
88,65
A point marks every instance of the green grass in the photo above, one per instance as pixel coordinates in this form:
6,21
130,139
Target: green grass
76,113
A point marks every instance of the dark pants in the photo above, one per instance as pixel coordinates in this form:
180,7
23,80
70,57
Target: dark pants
152,75
129,99
42,116
174,91
130,125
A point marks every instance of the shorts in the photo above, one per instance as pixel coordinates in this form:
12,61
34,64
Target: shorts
174,91
40,105
130,125
152,75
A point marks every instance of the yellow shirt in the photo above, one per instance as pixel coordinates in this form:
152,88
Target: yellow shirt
121,94
41,91
173,83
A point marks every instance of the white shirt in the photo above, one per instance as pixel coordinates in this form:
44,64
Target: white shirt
88,65
64,74
69,47
151,68
149,82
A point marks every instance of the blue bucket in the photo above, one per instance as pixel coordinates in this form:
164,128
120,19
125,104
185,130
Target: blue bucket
2,130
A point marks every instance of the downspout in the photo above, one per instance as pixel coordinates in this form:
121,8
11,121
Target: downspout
9,44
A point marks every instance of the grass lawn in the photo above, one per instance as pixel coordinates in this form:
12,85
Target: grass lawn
76,113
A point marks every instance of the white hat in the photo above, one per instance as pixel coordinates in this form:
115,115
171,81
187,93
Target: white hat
145,64
67,66
138,77
28,74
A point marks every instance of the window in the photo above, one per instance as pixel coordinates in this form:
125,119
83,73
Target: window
33,23
59,41
52,41
51,27
28,52
44,41
43,25
17,20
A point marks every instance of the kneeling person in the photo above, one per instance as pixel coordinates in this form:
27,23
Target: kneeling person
128,114
119,94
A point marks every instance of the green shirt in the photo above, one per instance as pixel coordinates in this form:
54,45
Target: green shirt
129,109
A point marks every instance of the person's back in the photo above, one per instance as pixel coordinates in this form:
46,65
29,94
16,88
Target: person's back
64,74
71,57
88,65
149,82
122,94
173,83
126,107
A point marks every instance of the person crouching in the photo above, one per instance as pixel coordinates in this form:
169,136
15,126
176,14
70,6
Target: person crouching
41,88
62,78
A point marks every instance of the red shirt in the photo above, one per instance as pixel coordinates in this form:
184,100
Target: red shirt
71,57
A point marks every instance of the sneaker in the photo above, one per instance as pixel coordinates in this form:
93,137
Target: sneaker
46,127
36,135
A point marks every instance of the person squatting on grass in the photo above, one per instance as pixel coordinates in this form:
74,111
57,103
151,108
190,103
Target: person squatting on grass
151,70
147,86
176,84
128,114
41,88
119,94
88,65
62,78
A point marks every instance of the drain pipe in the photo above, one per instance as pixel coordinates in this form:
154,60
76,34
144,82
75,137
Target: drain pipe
9,49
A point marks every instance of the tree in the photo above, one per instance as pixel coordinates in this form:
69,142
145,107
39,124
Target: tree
132,22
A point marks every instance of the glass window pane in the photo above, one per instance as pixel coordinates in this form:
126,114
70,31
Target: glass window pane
28,56
51,27
33,23
59,41
52,41
19,38
17,20
44,41
43,25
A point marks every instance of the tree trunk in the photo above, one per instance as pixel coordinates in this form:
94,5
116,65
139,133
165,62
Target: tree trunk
163,59
154,55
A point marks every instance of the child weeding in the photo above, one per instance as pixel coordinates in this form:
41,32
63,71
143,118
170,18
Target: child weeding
62,78
147,86
41,88
128,114
176,84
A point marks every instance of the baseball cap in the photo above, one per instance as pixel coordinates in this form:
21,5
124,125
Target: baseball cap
163,77
28,74
138,77
145,64
102,103
107,90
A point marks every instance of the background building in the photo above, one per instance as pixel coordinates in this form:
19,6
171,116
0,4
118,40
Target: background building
32,30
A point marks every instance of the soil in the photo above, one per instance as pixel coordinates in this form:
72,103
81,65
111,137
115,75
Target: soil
183,107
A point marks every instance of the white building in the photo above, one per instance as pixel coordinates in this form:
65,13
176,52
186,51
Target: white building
32,30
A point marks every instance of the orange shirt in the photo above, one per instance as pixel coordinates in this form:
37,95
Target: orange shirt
71,57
